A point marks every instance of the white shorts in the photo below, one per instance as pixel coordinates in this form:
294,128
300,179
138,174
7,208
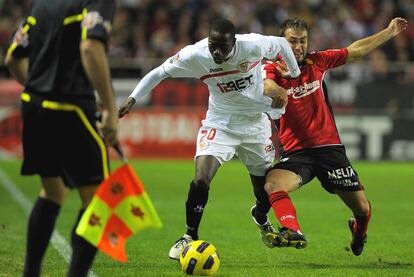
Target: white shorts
249,139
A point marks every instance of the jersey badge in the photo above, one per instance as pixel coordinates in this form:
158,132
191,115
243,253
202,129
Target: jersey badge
175,58
92,19
21,37
243,66
203,145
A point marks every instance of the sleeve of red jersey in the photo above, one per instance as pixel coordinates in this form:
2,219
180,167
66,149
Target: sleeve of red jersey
270,71
333,57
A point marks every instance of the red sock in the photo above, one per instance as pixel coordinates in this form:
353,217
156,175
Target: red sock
361,225
284,210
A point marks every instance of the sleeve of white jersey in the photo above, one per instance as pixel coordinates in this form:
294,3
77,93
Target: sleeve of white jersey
149,82
272,46
178,66
181,65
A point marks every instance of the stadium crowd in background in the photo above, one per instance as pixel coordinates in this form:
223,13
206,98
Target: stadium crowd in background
159,28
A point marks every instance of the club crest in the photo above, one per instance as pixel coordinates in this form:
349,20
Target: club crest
175,58
243,66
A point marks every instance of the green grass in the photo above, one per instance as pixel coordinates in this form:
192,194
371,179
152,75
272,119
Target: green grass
227,224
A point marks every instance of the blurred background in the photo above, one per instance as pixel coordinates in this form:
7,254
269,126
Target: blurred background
373,99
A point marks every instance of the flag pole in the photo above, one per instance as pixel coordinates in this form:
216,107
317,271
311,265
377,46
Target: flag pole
118,149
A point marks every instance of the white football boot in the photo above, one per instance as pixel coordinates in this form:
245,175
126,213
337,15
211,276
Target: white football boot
178,247
265,228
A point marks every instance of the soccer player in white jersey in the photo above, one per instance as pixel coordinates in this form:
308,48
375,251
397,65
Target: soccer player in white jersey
235,123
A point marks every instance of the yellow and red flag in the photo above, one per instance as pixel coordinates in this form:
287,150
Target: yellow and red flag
120,208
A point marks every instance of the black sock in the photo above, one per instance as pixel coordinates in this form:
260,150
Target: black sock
262,203
40,228
261,218
83,253
196,201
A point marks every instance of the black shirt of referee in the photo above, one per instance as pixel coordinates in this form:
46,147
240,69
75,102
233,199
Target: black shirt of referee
51,36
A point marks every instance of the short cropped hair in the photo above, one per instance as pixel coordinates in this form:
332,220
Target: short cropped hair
293,24
222,26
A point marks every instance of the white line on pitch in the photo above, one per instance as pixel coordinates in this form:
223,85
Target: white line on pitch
58,242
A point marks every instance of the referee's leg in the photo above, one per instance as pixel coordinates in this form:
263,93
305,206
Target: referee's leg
83,252
42,222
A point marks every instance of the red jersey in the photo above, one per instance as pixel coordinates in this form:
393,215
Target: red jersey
308,121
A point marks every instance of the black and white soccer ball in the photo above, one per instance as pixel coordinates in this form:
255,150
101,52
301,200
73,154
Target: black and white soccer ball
199,258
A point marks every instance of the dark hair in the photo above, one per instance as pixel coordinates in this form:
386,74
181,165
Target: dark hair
222,26
294,24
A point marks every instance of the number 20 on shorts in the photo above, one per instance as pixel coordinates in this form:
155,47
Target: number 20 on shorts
208,134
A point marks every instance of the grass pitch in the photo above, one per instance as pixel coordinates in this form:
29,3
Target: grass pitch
227,224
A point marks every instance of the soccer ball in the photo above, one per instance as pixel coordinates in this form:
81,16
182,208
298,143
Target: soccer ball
199,258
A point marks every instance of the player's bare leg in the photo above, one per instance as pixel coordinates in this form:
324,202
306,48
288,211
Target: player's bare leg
42,221
83,253
279,182
206,169
361,208
53,189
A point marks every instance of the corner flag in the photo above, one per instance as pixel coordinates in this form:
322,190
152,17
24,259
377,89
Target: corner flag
120,208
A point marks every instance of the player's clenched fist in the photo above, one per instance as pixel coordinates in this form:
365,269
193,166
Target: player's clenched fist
124,109
397,25
277,93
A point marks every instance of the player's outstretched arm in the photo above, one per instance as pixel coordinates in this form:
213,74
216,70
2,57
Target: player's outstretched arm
364,46
145,86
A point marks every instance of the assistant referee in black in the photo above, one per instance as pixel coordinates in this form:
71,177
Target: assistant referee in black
59,55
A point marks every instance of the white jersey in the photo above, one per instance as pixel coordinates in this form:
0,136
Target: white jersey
236,123
235,86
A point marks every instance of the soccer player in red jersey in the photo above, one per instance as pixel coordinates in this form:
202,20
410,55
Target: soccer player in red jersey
308,134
